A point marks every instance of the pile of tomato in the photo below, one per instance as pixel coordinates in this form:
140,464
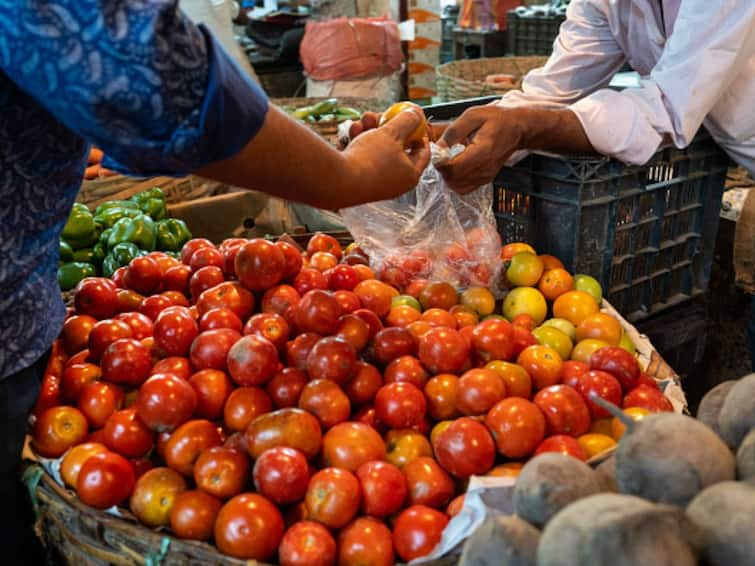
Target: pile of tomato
288,405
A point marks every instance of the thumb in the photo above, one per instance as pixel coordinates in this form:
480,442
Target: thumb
460,130
404,124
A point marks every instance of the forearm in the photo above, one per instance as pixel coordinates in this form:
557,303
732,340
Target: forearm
288,160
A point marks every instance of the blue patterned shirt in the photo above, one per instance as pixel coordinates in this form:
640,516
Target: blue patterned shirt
135,77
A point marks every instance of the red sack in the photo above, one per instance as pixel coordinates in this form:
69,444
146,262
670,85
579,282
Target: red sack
351,48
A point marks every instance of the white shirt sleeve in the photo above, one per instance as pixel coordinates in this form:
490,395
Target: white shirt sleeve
709,49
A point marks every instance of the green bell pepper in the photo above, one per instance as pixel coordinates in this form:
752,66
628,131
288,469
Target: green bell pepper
100,250
172,234
112,215
152,203
80,228
65,251
105,206
120,255
174,255
139,230
69,274
84,255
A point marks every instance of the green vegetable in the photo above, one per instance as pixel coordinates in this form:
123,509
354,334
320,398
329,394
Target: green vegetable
80,230
100,250
120,255
65,251
105,206
302,113
326,118
139,230
84,255
69,274
325,106
172,234
152,203
174,255
107,218
346,113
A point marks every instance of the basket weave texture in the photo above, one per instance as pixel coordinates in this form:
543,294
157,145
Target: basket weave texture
465,78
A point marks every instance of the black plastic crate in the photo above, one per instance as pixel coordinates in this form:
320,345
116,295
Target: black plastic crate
646,233
532,34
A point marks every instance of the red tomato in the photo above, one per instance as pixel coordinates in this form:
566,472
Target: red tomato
193,515
438,295
57,429
323,261
392,343
384,488
354,330
177,278
367,416
478,391
286,386
249,527
175,330
210,349
270,326
465,448
154,493
104,333
75,333
143,275
348,445
165,401
562,444
523,339
219,318
126,434
648,380
408,369
252,360
324,243
342,277
603,385
118,277
317,312
365,541
203,279
297,350
278,299
650,398
293,259
71,463
332,358
204,257
564,409
222,472
493,339
307,543
281,474
244,405
96,297
126,361
152,306
212,388
400,405
260,264
441,392
417,531
308,280
347,301
193,245
619,363
141,325
98,400
75,377
363,387
187,442
439,317
105,479
325,400
571,370
517,425
372,320
428,483
285,427
230,295
129,301
176,365
333,497
443,350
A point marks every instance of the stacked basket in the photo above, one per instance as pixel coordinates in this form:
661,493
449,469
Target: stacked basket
467,78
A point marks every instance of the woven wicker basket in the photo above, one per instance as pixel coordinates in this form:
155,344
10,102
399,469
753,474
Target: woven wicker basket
458,80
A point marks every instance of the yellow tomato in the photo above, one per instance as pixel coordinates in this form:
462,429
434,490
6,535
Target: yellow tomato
600,326
564,326
510,250
478,299
525,269
419,133
554,338
584,349
627,344
594,443
525,300
618,428
403,446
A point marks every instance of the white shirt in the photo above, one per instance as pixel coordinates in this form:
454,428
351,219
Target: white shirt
700,69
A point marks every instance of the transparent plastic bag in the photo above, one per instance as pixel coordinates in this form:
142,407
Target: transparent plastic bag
431,233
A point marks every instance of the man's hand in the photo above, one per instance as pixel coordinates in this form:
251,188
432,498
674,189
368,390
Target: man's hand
493,133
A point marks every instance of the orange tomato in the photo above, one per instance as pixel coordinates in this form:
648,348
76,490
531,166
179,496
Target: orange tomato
322,261
555,282
479,300
525,321
418,328
404,445
543,364
464,316
551,262
364,272
507,470
420,131
517,380
601,426
375,296
634,413
575,306
439,317
402,315
438,295
510,250
600,326
595,443
75,458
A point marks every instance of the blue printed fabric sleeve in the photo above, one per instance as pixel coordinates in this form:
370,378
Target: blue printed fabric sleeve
136,77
